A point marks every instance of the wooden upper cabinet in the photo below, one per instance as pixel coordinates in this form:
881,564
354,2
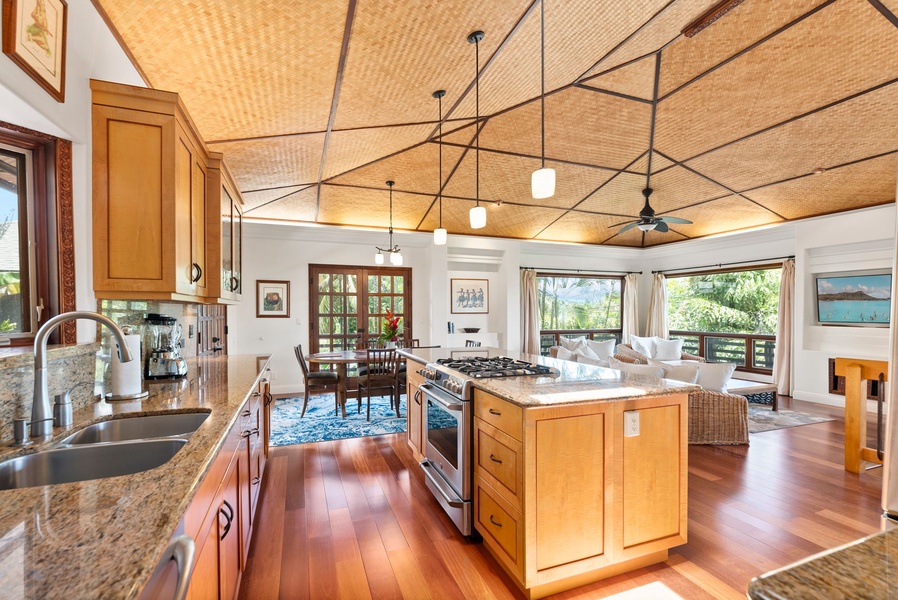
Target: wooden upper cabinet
224,227
156,191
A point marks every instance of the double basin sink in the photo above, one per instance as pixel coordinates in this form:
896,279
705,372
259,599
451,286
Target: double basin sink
108,449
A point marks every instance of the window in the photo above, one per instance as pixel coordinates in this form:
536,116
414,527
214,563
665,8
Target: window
571,306
726,316
37,254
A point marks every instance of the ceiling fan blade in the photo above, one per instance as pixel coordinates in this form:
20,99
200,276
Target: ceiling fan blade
630,226
661,226
675,220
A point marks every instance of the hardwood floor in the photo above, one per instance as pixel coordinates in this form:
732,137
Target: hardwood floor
353,519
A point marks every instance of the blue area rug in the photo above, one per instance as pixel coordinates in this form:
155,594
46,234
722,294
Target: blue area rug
320,424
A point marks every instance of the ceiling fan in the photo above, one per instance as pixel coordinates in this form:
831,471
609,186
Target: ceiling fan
647,220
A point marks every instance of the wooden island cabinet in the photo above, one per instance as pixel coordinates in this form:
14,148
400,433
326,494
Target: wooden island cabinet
564,496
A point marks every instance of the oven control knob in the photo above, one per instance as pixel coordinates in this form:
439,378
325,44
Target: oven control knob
453,386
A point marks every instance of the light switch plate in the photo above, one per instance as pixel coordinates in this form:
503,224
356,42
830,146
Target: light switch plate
631,423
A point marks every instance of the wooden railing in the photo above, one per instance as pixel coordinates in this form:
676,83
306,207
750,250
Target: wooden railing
857,372
750,352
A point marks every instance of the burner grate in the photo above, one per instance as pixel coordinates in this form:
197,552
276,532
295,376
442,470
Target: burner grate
499,366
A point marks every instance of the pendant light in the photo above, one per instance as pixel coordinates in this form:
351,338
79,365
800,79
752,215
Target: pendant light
439,234
393,249
542,182
478,213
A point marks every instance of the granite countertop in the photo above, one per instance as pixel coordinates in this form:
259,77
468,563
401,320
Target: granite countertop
103,538
863,570
571,382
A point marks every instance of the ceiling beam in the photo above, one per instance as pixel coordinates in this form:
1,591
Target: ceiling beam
889,15
278,199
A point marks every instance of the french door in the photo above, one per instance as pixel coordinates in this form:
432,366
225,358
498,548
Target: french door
347,305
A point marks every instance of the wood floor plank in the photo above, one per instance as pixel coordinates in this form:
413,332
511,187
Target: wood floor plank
355,519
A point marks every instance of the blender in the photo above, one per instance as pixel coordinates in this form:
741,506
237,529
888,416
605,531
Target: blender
164,360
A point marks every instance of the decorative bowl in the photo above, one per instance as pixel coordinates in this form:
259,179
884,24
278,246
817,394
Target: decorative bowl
470,329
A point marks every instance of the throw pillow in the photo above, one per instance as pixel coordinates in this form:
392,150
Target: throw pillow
586,360
603,349
636,369
573,344
684,373
565,354
667,349
714,376
644,345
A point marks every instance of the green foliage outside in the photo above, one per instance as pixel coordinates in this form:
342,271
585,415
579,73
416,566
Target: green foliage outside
740,302
576,303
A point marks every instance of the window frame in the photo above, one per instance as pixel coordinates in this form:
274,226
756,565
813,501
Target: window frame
53,225
703,337
593,334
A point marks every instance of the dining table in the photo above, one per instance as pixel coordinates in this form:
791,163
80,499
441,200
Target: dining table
339,359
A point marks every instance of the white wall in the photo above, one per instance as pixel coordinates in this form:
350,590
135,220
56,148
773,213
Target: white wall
91,52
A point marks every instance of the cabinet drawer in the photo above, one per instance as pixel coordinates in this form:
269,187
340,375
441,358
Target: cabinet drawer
497,523
498,413
499,460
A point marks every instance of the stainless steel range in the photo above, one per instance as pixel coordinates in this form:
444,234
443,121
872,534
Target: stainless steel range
449,424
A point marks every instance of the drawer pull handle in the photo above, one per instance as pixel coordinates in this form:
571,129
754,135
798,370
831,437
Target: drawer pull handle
495,460
256,480
245,413
495,522
199,273
418,397
495,412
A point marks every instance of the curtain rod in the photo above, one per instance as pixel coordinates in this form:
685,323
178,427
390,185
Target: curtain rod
741,262
604,272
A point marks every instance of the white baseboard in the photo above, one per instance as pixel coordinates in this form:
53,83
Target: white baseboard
287,390
830,400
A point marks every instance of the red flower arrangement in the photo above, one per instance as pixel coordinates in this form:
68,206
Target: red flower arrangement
391,328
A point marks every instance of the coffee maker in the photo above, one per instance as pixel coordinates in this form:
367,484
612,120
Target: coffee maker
164,360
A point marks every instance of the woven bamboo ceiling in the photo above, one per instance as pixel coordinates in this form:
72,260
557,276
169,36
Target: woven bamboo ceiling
773,110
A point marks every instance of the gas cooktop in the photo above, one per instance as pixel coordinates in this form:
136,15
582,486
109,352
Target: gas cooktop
496,366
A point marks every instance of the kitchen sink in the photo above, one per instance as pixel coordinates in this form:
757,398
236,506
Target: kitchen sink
137,428
81,463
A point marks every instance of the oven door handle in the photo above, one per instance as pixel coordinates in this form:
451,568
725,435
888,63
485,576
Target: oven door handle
453,406
445,491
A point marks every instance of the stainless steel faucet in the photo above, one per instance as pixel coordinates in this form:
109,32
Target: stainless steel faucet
41,414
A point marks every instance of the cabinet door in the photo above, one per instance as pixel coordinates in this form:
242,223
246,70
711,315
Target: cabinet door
229,559
237,284
227,242
133,203
206,577
198,225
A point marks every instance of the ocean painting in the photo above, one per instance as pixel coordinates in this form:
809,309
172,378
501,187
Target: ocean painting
854,299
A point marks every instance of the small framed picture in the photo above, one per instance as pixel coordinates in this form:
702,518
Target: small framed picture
34,37
470,296
272,299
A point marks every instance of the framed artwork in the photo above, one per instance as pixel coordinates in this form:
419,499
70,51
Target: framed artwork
34,37
272,299
470,296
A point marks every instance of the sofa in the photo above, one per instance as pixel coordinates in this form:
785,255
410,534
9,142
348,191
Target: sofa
715,418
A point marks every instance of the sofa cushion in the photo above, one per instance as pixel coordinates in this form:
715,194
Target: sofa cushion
667,349
714,376
687,373
603,349
573,344
565,354
626,367
644,345
586,360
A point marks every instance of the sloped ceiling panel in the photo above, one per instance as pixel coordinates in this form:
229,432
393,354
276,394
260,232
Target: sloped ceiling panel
347,150
253,200
301,206
273,162
635,79
371,207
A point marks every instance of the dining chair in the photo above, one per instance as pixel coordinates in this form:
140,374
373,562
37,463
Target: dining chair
381,373
471,344
319,381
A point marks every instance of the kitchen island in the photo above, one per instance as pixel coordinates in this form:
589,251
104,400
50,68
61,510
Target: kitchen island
579,475
103,538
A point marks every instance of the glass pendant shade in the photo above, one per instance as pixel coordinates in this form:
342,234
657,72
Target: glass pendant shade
378,259
646,226
396,258
478,217
542,183
439,236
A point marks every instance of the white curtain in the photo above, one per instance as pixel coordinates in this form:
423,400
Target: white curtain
782,357
630,322
657,325
529,312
